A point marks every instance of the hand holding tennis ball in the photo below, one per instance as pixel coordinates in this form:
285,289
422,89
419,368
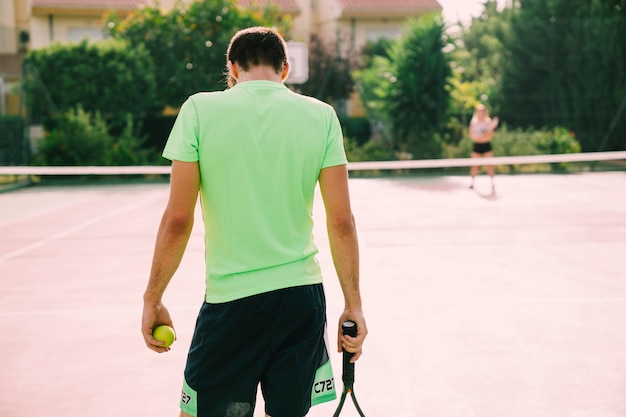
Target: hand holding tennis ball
165,334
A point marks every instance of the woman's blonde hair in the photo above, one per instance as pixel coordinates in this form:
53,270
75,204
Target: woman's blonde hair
478,108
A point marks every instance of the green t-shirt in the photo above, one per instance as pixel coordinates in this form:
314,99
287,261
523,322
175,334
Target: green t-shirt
260,149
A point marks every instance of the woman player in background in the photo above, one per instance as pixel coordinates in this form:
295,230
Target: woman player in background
481,132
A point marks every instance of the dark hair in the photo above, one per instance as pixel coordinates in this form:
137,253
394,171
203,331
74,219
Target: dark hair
257,46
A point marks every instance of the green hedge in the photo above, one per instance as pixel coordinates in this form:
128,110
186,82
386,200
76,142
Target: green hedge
373,150
79,138
14,149
108,77
520,142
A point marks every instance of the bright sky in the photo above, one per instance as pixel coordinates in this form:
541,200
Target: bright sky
463,10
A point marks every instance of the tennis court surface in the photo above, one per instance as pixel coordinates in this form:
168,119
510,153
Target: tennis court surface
508,305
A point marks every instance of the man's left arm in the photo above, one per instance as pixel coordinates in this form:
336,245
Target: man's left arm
172,237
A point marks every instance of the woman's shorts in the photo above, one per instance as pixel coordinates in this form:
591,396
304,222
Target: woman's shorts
276,339
482,147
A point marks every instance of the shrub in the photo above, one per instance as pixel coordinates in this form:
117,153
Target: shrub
519,142
370,151
109,77
357,128
79,138
127,148
156,130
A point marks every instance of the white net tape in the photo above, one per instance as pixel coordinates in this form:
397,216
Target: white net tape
353,166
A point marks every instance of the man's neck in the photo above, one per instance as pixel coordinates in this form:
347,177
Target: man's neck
259,73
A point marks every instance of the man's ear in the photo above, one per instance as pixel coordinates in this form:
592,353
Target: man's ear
285,71
233,69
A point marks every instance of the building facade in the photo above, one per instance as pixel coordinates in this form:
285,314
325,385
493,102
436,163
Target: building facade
350,23
32,24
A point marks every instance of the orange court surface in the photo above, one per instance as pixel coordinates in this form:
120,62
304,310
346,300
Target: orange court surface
511,305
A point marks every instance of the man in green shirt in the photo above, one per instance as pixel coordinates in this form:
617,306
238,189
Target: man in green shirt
255,153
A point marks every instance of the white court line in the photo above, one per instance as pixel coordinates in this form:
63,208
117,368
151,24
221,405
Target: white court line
71,230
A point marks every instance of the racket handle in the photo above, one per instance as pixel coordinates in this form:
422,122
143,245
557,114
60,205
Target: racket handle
348,328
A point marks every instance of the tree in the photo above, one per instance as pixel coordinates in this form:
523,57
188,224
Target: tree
477,60
372,49
330,77
411,87
189,42
108,77
566,66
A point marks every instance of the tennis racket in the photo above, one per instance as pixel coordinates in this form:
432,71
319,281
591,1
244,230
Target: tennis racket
349,328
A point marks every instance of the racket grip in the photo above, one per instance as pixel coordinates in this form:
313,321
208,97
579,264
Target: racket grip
348,328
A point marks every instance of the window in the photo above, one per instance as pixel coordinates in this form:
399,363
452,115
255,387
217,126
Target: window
387,33
78,34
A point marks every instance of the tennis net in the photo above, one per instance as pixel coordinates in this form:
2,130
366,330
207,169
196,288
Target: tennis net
586,161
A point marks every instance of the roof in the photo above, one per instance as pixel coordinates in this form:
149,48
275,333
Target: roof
89,4
396,5
285,6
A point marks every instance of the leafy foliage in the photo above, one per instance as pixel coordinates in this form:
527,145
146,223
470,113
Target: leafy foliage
79,137
369,151
107,77
13,148
477,61
189,42
519,142
565,66
357,128
330,76
409,89
375,48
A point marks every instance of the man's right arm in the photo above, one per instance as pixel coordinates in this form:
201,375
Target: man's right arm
173,235
345,252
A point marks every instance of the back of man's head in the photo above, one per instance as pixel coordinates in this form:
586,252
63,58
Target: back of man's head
257,46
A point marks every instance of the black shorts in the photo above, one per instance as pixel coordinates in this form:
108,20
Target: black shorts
276,339
482,147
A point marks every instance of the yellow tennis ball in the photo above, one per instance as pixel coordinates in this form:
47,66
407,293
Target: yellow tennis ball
164,334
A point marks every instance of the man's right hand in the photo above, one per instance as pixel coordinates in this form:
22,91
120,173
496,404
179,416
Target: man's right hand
352,344
154,315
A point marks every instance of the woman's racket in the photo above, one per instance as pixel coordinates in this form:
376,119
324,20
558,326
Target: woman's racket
349,328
